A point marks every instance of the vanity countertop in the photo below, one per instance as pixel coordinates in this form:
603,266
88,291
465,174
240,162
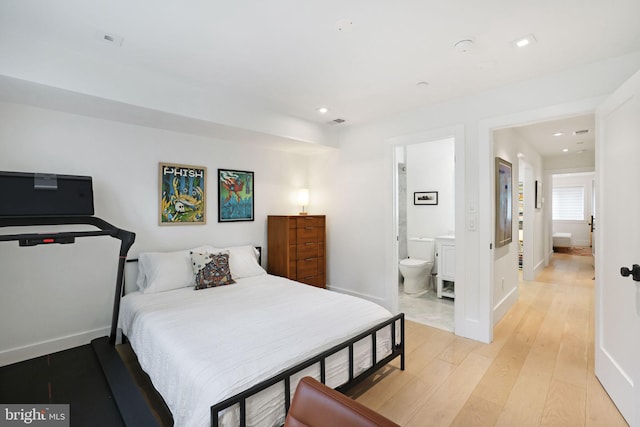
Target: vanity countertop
446,237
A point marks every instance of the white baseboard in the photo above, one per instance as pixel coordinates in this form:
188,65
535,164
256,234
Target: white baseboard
377,300
504,305
538,268
42,348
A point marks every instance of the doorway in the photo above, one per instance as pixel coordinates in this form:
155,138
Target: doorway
573,199
425,212
492,306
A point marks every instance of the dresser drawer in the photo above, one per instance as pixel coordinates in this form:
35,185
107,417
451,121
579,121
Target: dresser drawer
307,234
317,281
309,221
307,250
307,267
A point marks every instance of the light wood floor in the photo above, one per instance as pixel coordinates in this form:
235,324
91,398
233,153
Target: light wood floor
538,371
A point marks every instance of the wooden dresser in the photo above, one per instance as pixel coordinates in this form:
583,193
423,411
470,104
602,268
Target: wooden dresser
296,248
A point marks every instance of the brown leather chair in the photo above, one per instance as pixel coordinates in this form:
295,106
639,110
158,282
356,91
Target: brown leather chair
316,405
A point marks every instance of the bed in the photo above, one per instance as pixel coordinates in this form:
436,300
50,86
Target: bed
261,333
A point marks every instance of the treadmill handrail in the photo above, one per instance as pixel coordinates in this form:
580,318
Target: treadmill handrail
127,238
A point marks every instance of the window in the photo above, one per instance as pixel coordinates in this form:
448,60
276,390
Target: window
568,203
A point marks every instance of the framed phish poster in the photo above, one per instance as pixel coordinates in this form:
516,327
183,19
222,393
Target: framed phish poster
235,195
182,194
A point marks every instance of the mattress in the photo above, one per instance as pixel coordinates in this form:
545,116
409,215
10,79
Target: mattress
201,347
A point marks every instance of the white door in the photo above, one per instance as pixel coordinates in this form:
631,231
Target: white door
617,311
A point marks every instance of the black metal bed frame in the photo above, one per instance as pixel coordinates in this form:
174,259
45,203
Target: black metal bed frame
397,350
128,398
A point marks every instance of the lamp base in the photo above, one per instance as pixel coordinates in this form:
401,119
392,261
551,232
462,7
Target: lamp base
303,213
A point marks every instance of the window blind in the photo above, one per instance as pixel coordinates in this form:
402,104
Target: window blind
568,204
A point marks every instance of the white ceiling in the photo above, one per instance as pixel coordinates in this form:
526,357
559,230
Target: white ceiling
362,59
541,136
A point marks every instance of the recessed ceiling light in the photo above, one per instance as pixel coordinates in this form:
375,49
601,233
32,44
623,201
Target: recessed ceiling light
558,134
524,41
322,110
422,84
565,150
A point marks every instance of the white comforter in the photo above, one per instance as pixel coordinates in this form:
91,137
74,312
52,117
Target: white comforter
200,347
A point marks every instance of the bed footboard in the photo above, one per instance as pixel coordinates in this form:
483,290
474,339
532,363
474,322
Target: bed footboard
396,324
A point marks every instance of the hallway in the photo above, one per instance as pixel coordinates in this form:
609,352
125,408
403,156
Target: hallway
538,371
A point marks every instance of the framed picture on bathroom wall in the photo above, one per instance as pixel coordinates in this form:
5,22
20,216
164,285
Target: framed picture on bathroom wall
425,198
504,202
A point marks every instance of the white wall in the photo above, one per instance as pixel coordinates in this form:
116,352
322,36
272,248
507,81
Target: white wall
505,258
359,179
58,296
580,230
509,145
353,186
430,167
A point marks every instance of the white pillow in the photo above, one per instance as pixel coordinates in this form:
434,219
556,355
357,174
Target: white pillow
164,271
141,280
243,262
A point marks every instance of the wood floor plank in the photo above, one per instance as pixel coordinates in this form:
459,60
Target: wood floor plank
496,384
380,387
600,409
428,351
424,348
445,404
458,350
565,405
525,404
571,365
503,330
477,412
405,403
538,371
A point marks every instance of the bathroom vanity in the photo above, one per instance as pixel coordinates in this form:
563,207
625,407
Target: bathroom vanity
446,263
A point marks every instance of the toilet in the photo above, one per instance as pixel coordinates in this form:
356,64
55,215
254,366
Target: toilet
416,269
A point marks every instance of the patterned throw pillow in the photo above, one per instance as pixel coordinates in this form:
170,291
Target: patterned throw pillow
211,270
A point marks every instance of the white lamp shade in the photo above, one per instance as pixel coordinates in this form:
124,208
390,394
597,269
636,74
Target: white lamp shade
303,196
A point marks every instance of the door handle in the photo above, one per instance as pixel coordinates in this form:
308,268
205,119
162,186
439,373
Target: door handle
634,272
